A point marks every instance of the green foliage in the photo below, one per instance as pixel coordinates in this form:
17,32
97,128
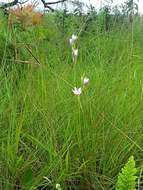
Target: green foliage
50,136
127,178
27,178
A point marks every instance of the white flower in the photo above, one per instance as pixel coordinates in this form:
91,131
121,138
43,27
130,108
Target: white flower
75,52
85,81
73,39
58,186
77,91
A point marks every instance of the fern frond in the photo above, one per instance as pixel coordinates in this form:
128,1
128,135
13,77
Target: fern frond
127,178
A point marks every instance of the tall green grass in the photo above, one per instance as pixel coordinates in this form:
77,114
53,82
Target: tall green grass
46,131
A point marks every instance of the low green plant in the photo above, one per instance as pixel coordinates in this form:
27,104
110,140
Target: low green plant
127,178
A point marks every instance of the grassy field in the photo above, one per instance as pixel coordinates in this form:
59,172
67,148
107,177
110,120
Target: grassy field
48,134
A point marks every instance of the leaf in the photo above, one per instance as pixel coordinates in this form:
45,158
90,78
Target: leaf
27,178
127,178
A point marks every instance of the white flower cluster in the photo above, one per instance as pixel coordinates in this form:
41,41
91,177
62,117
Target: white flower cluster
72,41
78,91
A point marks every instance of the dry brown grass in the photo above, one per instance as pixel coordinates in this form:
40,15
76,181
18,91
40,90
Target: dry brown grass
25,16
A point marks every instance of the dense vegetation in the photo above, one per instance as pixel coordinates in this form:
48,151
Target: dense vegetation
49,135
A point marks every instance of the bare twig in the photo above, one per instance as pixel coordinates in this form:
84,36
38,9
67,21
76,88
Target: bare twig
26,62
21,3
46,4
31,53
56,2
7,5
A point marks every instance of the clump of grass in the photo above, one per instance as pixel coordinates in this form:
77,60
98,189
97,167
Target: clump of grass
46,132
